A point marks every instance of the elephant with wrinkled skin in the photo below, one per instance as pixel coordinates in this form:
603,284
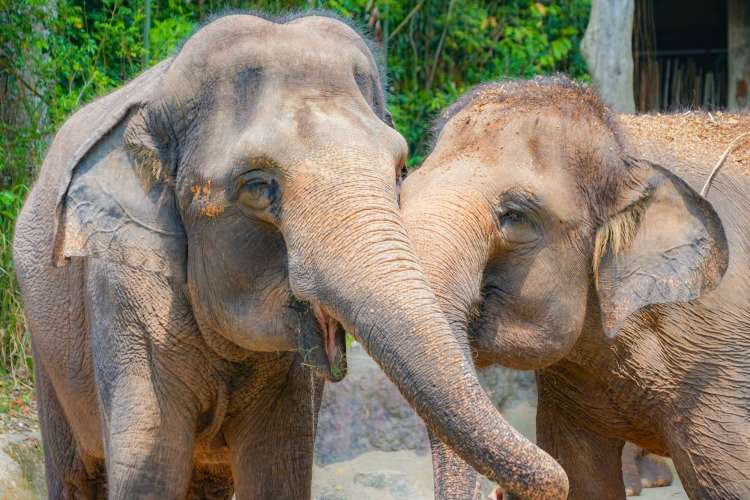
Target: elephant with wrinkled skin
200,237
559,240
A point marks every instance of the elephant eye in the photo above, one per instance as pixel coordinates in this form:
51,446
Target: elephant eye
257,193
516,227
512,217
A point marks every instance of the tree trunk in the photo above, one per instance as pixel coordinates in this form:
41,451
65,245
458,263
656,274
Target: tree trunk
607,47
739,54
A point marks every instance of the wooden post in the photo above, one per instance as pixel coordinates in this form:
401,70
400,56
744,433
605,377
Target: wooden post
738,54
607,47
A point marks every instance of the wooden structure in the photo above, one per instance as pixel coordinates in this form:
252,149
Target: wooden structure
685,54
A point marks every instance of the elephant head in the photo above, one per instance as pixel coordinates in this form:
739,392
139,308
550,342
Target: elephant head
257,171
531,220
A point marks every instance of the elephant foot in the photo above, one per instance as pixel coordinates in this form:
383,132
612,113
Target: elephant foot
655,471
632,487
630,473
631,492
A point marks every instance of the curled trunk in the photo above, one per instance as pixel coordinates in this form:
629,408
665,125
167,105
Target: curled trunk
373,284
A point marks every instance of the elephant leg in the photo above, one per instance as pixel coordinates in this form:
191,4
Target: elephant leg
145,364
271,439
64,469
592,462
655,471
148,443
711,453
631,475
211,483
454,479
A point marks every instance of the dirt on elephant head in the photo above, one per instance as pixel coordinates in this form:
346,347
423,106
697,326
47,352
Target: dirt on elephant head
696,134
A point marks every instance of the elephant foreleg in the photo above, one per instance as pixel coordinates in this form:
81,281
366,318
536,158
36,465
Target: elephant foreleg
271,437
454,479
631,475
592,462
147,403
711,454
148,443
65,471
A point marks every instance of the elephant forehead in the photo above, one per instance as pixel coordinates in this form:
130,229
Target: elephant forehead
487,159
232,43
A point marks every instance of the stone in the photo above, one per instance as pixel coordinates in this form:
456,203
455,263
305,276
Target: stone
21,467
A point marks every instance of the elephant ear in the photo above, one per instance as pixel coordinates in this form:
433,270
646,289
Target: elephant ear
667,244
116,199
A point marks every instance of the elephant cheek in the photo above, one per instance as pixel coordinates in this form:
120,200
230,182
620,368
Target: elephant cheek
523,341
244,320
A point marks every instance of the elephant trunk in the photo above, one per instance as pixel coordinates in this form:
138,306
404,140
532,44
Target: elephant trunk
454,479
416,348
369,279
451,234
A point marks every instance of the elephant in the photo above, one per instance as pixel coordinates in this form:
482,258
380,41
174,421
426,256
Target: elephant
643,470
192,252
562,239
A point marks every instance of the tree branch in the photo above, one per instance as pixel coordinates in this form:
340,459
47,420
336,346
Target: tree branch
406,20
440,45
20,78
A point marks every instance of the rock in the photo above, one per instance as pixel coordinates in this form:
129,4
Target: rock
375,480
21,467
396,475
401,487
330,494
506,387
365,412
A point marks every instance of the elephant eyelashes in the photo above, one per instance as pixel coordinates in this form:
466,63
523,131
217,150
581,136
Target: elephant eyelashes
516,226
518,215
258,193
512,217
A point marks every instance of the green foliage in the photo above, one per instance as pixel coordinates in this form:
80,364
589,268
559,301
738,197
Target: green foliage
15,356
56,56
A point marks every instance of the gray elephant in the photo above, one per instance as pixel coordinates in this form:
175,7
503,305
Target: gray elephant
559,240
199,238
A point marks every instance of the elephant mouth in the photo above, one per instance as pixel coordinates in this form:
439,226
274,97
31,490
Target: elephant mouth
323,345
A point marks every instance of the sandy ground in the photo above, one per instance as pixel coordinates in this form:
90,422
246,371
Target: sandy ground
406,475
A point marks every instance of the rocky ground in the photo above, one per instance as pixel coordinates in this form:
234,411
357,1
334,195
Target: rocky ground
370,443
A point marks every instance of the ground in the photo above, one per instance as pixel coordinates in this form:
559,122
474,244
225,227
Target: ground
17,407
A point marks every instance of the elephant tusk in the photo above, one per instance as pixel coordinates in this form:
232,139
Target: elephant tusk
719,163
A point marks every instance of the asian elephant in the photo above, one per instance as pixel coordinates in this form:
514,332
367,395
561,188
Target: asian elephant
199,237
560,239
